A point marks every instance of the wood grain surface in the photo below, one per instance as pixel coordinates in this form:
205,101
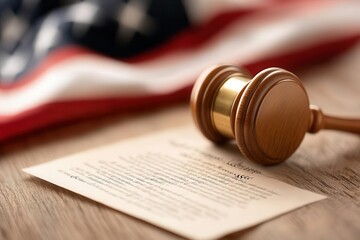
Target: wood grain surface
326,163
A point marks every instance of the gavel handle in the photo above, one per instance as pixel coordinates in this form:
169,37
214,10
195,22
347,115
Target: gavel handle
320,121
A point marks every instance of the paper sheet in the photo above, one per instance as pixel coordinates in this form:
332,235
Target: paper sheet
179,181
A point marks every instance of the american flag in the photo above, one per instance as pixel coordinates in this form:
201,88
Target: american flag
64,60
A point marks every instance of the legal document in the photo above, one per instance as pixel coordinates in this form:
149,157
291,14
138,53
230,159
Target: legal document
179,181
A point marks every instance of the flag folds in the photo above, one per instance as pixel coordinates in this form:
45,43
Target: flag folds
63,61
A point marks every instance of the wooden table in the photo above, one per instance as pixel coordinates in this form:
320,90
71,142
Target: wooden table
327,163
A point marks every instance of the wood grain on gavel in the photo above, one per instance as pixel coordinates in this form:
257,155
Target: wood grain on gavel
268,115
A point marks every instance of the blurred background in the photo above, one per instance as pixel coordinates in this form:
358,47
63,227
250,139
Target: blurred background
63,61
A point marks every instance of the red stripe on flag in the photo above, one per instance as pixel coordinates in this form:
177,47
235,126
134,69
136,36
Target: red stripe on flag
61,112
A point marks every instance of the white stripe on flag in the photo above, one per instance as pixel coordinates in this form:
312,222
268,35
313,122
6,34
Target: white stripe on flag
92,77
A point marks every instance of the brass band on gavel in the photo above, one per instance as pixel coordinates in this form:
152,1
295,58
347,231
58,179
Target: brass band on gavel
224,104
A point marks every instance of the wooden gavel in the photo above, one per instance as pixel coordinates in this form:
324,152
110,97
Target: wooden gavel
268,115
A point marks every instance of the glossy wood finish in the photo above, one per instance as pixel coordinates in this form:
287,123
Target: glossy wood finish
326,163
268,115
320,121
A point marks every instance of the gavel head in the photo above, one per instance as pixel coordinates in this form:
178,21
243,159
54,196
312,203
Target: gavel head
268,115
